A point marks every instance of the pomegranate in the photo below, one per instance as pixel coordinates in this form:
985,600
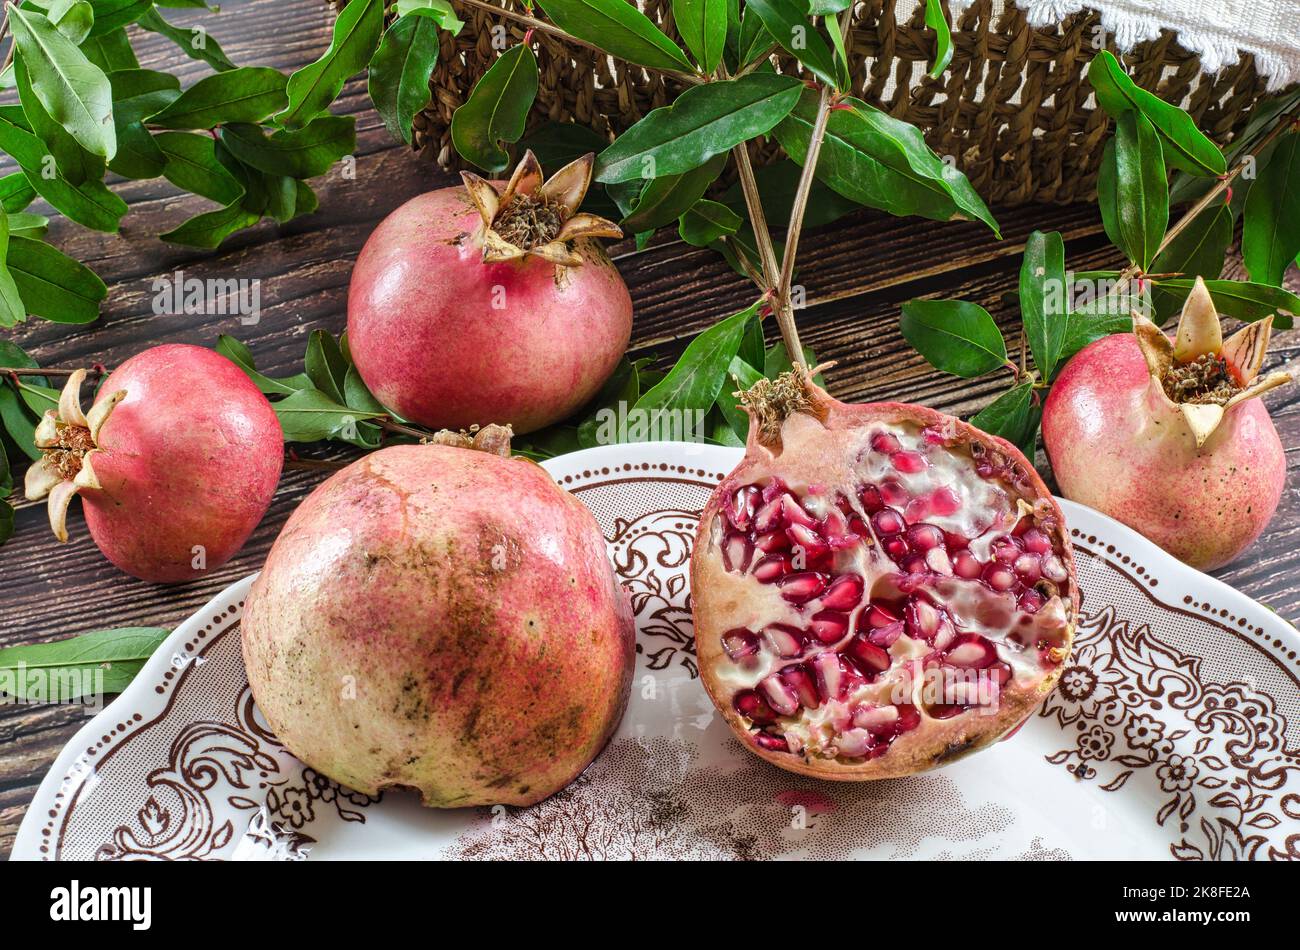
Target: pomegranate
472,304
442,618
1168,437
877,589
176,461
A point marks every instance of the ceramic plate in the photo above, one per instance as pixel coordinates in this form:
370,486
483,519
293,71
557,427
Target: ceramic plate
1174,733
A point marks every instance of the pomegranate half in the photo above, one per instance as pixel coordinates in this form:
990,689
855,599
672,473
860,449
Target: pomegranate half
877,589
445,619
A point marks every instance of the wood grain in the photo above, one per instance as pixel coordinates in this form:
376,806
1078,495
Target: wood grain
856,272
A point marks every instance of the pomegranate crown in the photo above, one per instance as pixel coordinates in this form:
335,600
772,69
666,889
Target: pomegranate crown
68,439
535,215
1200,372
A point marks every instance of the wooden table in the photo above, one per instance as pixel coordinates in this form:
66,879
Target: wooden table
857,273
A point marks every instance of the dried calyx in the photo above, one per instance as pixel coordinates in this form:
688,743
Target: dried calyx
771,401
68,440
536,215
493,439
1200,372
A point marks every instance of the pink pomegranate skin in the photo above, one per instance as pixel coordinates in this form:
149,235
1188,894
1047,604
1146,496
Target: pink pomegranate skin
445,340
1118,447
443,619
191,457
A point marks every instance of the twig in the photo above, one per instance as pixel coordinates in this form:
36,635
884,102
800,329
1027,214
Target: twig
757,62
28,371
745,263
543,27
757,220
397,427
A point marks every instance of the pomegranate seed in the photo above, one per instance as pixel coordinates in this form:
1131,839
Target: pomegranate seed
922,619
798,679
915,565
783,639
917,510
937,560
1036,541
896,547
768,518
965,565
765,740
955,541
999,578
792,513
908,717
829,626
972,652
739,643
946,711
945,634
1054,568
871,500
855,743
1000,673
923,537
736,553
1006,550
835,528
830,675
870,659
802,587
740,511
945,501
754,707
893,492
878,616
771,568
885,443
886,636
1031,601
887,521
909,463
844,593
772,541
1027,567
878,720
780,695
808,540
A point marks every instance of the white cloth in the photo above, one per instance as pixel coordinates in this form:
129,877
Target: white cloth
1218,31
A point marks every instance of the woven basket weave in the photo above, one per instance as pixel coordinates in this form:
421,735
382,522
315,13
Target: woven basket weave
1010,108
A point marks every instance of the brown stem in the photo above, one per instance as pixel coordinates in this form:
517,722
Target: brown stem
759,61
757,220
390,426
543,27
28,371
745,263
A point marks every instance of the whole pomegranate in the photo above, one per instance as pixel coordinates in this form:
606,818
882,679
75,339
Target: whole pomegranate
1168,437
176,461
468,306
878,589
441,618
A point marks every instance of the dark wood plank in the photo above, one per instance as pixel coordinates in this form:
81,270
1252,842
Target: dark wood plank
857,274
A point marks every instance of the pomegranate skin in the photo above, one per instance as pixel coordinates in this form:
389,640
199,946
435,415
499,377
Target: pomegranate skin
1118,447
443,619
447,341
190,457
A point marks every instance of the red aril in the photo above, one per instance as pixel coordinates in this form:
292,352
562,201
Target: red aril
935,624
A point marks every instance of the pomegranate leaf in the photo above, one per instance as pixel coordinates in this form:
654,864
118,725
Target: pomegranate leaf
52,284
954,336
777,361
496,109
12,311
620,29
246,94
325,365
111,50
1186,147
304,153
740,375
1198,250
1271,234
1012,417
239,354
1042,298
191,164
787,22
398,75
312,88
707,221
74,161
105,661
937,20
704,121
309,415
703,27
664,200
1141,188
752,38
210,228
16,192
1241,299
195,44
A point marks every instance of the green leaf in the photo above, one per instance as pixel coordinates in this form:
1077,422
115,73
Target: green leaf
1042,298
882,162
1185,146
16,192
787,22
954,336
1108,195
106,661
112,15
309,415
90,203
706,120
703,27
192,165
210,228
694,382
239,354
778,361
53,285
194,43
664,200
27,224
1010,416
777,185
440,11
313,87
398,77
12,311
1083,328
74,91
707,221
937,20
246,94
1271,234
110,51
72,18
138,93
1241,299
753,39
496,109
1198,250
305,153
1141,188
74,162
19,422
325,365
844,80
743,375
620,29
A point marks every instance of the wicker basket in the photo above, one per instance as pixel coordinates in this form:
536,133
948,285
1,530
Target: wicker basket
1012,107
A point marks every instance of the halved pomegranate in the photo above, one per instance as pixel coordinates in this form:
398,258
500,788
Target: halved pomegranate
877,589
